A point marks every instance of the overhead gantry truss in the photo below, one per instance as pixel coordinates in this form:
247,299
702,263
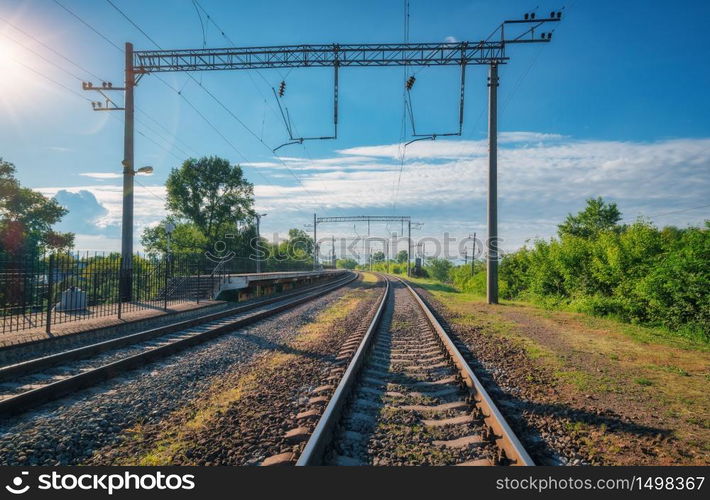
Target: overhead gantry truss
296,56
484,52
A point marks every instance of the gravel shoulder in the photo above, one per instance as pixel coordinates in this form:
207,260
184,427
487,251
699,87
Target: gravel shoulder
76,428
581,390
242,414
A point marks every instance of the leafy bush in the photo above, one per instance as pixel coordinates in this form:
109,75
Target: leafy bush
636,273
439,269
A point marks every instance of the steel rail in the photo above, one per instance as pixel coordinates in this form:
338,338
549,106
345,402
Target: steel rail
315,447
26,400
504,436
32,365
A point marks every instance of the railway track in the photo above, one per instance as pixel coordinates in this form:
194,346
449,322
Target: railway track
31,383
408,397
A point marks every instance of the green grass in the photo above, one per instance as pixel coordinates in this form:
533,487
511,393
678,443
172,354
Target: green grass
587,382
646,334
641,334
643,381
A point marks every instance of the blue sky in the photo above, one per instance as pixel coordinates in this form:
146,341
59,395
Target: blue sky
615,106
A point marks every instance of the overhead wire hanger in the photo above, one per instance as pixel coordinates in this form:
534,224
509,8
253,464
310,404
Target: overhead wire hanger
287,118
432,136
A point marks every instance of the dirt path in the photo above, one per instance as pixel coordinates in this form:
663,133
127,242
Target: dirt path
584,390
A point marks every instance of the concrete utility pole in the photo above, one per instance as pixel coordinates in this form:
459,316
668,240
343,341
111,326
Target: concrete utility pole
128,173
492,254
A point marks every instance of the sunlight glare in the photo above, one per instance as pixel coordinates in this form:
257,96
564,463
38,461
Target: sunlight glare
10,69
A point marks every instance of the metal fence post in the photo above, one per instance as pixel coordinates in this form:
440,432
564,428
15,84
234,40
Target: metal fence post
197,292
50,290
121,285
165,283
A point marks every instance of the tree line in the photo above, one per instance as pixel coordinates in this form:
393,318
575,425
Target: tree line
210,205
635,272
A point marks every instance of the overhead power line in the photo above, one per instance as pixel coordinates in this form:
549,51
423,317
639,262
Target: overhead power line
78,78
214,98
192,106
88,25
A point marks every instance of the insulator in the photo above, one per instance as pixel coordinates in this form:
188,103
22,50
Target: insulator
110,84
527,16
552,14
410,82
532,15
549,36
559,15
282,88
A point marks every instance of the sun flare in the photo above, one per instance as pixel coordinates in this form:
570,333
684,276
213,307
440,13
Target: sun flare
10,69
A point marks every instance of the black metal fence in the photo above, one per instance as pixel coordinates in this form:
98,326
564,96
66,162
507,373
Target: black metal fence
38,292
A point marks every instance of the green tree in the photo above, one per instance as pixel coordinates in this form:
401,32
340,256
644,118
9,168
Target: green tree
402,256
439,269
299,245
186,237
597,216
295,253
346,264
378,257
208,193
27,217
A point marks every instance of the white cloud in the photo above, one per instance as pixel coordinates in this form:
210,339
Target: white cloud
450,39
542,177
148,208
102,175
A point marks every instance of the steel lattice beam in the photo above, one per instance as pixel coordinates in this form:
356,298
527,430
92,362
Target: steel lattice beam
484,52
295,56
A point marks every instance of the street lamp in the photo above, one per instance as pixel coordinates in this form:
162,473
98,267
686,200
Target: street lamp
145,170
258,240
127,228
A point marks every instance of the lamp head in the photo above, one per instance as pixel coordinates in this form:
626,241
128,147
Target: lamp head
147,170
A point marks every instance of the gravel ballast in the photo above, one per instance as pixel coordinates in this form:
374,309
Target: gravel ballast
69,431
